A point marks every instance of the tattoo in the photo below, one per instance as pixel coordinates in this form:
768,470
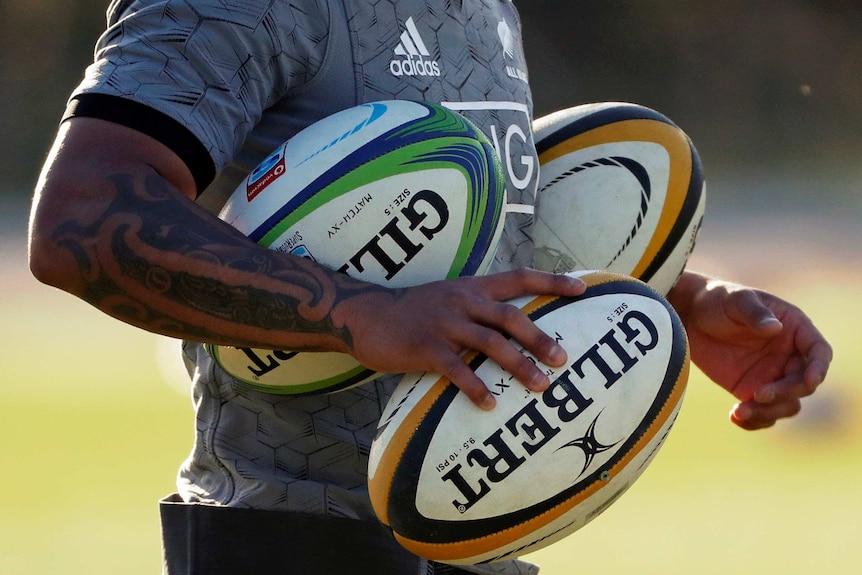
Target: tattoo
167,269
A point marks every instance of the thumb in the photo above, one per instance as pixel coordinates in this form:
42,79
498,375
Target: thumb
752,311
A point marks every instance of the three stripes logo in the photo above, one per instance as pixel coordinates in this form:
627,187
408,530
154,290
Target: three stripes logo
412,57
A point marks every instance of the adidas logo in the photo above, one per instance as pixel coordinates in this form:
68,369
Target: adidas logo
412,57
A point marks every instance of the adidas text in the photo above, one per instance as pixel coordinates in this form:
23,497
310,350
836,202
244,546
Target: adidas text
414,67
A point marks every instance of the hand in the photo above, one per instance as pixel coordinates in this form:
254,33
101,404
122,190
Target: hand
762,349
427,327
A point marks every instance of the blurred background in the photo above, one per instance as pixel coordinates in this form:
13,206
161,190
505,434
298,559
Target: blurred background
95,416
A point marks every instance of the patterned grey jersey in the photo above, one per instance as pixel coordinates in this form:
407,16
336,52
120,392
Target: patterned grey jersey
245,75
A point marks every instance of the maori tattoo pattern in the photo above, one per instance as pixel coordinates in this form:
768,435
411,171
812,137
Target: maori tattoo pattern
157,261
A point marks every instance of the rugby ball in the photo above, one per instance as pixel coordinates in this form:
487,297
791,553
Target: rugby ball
460,485
621,187
392,192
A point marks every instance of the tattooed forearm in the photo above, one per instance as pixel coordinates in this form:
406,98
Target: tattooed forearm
152,259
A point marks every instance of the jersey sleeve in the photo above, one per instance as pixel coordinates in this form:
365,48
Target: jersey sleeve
198,75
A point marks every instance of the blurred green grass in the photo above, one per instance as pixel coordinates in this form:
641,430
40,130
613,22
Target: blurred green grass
93,430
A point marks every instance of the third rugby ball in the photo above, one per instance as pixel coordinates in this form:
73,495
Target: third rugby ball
621,188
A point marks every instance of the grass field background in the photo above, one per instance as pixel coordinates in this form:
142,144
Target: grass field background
95,418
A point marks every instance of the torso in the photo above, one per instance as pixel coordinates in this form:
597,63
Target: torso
285,69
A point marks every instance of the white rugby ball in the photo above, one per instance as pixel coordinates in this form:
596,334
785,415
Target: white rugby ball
392,192
460,485
621,187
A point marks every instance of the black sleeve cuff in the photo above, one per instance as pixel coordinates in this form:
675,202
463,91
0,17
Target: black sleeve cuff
152,123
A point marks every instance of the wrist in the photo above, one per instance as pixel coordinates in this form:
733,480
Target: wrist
682,295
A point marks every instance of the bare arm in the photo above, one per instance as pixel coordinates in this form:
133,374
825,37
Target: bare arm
113,223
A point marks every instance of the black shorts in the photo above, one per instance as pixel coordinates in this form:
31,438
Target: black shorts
200,539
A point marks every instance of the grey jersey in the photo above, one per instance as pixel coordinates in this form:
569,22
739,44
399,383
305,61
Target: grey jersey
241,77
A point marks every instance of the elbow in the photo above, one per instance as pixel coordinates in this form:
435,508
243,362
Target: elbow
51,261
43,262
41,265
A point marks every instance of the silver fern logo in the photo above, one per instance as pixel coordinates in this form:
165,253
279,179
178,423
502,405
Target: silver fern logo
507,39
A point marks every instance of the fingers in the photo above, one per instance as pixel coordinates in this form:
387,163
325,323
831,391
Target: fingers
509,285
504,333
512,360
453,368
508,319
488,335
793,385
780,399
818,354
751,415
804,370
